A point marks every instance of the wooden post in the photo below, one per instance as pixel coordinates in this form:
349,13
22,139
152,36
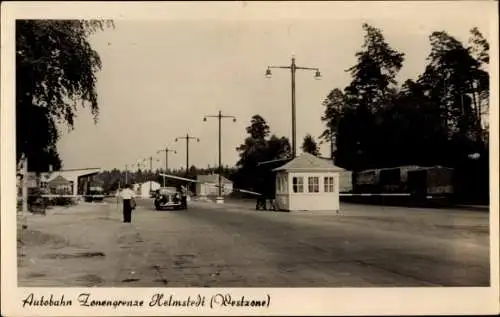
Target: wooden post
25,183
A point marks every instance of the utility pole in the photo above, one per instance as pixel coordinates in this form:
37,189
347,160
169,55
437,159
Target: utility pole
220,116
126,174
166,150
150,172
187,138
293,68
24,182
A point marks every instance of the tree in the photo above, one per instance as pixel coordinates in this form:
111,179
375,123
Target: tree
479,50
258,147
354,116
252,151
453,79
258,128
309,145
278,148
375,72
479,47
334,107
55,74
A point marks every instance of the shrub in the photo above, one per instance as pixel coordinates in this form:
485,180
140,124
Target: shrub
62,201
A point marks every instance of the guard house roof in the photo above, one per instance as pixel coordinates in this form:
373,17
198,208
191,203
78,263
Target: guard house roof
307,162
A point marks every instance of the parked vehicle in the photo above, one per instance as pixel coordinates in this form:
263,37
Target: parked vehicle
420,182
170,197
431,182
94,193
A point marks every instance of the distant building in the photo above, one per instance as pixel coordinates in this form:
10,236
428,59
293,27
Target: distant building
76,180
60,186
143,189
207,185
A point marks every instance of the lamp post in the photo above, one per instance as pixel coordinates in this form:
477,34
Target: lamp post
293,68
187,138
166,150
220,116
150,159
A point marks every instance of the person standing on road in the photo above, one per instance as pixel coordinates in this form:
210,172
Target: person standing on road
127,195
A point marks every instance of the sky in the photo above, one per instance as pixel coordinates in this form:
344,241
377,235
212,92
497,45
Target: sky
161,77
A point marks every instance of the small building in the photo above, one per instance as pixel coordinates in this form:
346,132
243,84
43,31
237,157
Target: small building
208,185
144,189
79,178
60,186
308,183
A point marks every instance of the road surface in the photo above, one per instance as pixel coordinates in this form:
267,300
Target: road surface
232,245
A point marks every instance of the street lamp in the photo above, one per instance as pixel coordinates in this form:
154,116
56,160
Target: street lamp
126,174
220,116
166,150
140,164
150,159
293,68
187,138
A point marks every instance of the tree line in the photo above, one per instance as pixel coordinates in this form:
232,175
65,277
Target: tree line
436,119
433,120
111,180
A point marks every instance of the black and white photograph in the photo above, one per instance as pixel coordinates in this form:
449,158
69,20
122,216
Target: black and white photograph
192,149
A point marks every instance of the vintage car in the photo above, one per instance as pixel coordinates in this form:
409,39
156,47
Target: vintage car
170,197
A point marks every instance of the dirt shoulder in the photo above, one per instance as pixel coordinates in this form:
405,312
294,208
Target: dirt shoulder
75,246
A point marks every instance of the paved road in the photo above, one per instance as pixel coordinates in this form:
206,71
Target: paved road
232,245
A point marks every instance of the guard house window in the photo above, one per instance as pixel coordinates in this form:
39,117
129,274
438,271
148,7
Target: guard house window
328,184
298,185
313,184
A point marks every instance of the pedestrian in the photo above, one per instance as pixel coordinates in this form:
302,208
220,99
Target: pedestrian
261,203
128,198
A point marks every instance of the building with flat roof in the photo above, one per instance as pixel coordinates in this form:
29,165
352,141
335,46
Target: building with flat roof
79,179
208,185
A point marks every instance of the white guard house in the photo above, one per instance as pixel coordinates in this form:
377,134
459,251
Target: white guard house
308,183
